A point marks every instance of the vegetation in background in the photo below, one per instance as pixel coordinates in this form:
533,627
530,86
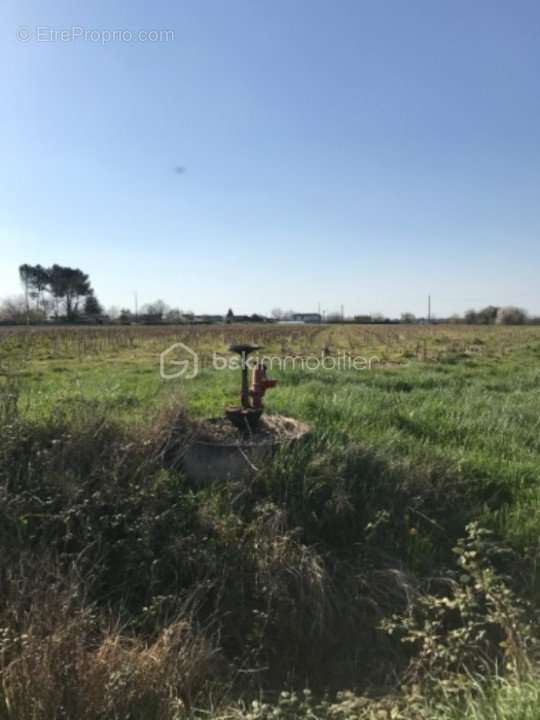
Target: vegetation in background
55,290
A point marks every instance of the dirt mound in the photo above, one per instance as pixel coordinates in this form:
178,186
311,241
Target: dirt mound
272,429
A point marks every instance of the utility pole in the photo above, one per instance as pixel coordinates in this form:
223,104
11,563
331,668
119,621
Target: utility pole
429,308
136,306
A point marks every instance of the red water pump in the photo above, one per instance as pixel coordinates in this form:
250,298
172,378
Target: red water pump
246,416
260,384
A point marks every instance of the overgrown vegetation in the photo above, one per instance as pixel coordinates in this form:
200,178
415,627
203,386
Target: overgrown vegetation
384,568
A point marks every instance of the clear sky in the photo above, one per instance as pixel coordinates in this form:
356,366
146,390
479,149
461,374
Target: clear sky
335,152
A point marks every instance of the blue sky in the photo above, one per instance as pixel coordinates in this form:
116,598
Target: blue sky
336,152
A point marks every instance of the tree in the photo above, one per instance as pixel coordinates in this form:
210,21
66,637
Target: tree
277,313
39,284
16,310
511,316
175,316
155,310
66,287
491,314
69,285
35,279
487,315
25,273
471,317
408,317
229,317
92,306
126,316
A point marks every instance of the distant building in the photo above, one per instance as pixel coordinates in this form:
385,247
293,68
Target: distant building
150,318
307,317
254,318
207,319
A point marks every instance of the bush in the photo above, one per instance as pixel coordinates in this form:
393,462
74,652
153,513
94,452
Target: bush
474,627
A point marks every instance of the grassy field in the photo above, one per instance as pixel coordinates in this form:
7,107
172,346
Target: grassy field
465,398
285,587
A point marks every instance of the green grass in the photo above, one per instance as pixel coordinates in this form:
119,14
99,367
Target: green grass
505,701
502,700
464,397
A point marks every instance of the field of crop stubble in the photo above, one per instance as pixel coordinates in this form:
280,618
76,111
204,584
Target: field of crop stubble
441,430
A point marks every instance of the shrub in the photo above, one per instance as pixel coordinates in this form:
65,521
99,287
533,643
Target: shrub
475,626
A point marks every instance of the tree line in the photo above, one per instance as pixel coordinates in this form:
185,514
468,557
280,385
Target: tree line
58,290
64,292
494,315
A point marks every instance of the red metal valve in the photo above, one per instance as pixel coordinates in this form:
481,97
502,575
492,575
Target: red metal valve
246,415
260,384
